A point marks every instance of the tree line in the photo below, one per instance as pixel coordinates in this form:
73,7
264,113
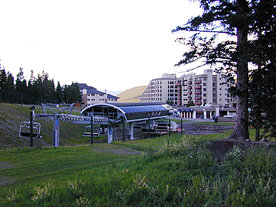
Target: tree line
37,90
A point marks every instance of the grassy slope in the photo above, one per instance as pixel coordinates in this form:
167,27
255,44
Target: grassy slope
182,173
11,115
131,95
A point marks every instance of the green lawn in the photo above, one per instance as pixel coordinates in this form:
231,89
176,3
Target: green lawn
164,171
219,123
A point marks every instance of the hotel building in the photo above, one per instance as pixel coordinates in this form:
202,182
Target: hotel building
190,89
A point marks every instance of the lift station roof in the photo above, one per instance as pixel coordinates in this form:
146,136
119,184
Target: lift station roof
130,112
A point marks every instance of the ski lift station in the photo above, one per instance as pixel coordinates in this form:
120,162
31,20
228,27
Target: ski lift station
126,113
104,114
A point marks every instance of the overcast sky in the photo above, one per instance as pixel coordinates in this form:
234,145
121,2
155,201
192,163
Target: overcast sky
108,44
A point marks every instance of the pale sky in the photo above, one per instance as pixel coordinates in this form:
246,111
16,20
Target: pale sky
108,44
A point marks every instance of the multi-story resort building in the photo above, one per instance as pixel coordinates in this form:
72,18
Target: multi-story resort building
161,90
190,89
91,95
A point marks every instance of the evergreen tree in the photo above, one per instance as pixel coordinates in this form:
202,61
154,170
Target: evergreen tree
66,93
59,93
48,89
262,53
72,93
3,80
38,89
21,85
10,89
31,90
76,95
236,18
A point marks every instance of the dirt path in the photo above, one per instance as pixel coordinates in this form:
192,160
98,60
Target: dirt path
5,180
113,149
5,165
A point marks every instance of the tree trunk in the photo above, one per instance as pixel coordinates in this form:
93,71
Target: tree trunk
257,136
241,128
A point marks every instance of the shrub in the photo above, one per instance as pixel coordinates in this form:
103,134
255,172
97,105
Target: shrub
74,188
43,194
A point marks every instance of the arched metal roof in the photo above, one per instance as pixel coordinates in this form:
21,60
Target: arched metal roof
131,112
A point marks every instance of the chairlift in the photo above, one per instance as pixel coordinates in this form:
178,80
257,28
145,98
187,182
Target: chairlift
87,132
24,130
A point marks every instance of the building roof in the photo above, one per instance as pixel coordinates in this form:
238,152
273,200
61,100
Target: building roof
109,96
92,90
85,86
131,112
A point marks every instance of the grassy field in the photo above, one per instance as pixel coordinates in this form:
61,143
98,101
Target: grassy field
164,171
212,123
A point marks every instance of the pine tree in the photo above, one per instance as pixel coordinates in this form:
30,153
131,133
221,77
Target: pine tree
234,18
20,85
262,53
48,89
59,93
31,89
3,80
10,89
72,93
38,89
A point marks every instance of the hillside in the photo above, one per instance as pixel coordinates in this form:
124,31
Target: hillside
164,171
131,95
11,115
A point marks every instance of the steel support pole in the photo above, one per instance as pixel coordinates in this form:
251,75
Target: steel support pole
169,127
31,129
91,131
124,130
56,132
181,122
149,127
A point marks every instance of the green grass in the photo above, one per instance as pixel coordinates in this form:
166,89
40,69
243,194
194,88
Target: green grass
171,171
219,123
36,165
11,115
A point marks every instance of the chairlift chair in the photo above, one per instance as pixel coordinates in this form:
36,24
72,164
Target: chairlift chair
24,130
87,132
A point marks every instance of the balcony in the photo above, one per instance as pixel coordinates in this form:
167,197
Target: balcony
198,103
198,97
198,92
197,82
198,87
